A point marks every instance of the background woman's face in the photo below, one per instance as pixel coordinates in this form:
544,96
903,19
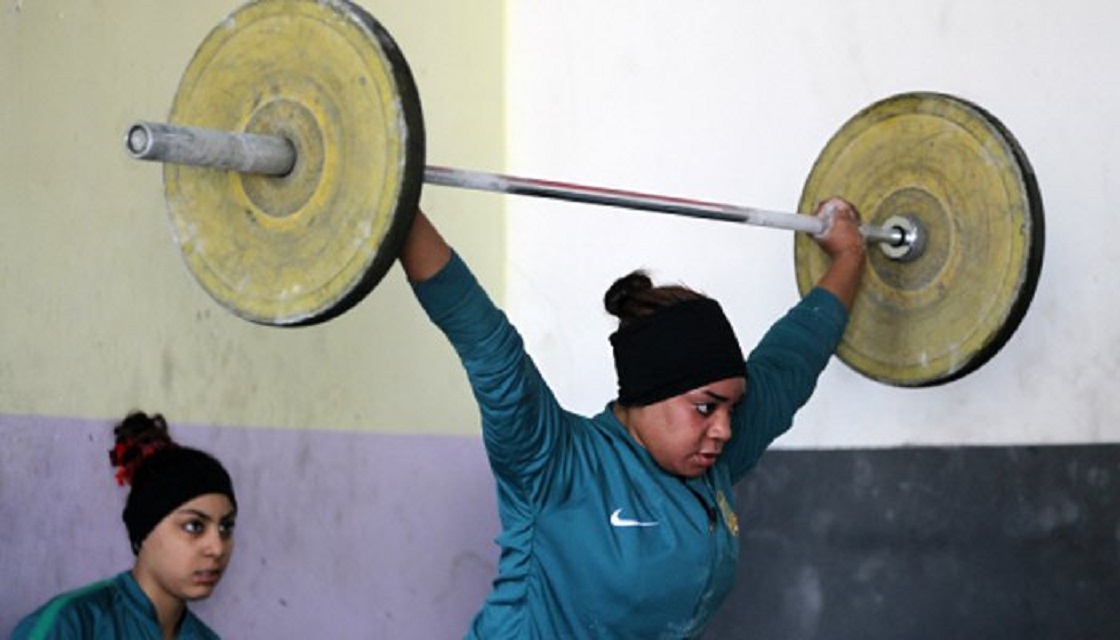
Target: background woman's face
187,553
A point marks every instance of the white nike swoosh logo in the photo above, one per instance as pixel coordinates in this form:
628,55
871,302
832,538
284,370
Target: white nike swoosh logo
618,521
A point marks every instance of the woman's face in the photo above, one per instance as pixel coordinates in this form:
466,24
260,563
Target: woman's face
185,555
685,434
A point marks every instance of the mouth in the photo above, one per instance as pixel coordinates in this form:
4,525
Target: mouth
707,458
208,577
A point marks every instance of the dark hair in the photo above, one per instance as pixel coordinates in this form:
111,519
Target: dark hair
163,474
633,296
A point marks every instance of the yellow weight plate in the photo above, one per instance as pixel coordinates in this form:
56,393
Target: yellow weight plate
304,247
957,171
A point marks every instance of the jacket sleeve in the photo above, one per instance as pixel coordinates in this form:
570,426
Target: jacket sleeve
521,420
782,373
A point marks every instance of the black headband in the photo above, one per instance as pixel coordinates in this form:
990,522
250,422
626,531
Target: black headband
167,479
674,350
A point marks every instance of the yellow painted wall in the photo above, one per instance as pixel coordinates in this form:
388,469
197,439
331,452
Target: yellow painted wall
99,312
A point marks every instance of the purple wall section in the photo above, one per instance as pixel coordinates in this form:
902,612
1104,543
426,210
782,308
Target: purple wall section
340,534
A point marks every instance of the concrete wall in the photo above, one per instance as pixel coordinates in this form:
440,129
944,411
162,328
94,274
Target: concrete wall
367,503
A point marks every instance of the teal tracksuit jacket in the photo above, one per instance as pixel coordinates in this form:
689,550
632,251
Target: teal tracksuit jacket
597,540
112,609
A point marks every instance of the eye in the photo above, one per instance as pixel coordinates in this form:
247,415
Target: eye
705,408
225,528
194,527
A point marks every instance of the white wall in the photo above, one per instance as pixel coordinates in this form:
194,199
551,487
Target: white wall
732,102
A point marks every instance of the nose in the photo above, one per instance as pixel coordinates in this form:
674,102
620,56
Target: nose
214,544
720,426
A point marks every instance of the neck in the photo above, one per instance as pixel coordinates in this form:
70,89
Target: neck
169,609
622,414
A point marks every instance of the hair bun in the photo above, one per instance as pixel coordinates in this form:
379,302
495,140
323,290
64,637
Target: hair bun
137,437
618,297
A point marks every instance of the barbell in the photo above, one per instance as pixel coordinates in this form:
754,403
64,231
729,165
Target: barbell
294,157
275,155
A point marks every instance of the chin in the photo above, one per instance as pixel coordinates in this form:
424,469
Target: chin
198,593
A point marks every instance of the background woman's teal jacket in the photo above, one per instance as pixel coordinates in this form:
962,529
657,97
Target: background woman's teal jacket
112,609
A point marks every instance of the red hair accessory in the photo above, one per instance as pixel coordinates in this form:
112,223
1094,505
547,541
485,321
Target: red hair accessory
128,455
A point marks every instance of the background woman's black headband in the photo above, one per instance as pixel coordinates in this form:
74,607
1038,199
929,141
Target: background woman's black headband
166,480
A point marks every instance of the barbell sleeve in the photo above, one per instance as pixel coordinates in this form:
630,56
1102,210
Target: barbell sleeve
241,152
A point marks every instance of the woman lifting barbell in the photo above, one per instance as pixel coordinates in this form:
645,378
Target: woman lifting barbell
623,524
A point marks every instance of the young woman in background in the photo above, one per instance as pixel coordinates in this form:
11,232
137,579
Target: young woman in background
180,516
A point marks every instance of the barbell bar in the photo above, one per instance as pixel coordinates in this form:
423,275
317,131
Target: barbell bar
294,156
273,155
